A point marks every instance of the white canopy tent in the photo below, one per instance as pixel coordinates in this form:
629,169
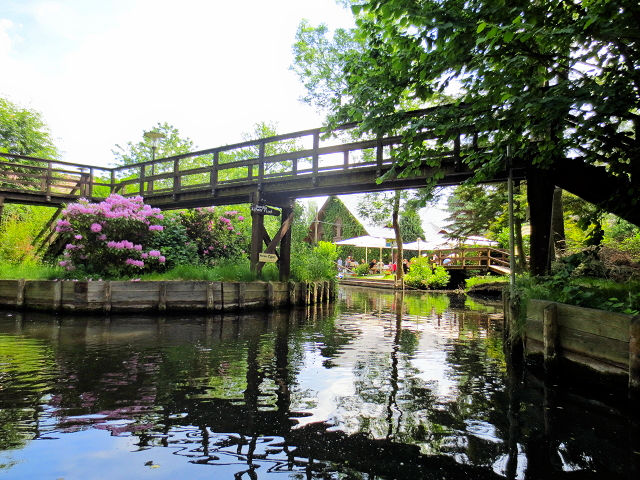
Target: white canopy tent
366,242
370,241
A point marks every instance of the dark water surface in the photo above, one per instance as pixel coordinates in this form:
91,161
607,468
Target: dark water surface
376,386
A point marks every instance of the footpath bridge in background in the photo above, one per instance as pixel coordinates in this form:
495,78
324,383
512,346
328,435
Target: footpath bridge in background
269,171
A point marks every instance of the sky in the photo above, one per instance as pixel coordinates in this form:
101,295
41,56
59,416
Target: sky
103,72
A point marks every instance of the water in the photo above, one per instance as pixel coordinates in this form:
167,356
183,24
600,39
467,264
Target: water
377,386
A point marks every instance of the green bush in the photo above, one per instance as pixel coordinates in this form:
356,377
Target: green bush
362,269
319,263
422,276
174,242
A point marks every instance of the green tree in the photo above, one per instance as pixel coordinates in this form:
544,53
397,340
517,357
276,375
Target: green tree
555,82
172,144
23,132
411,225
319,62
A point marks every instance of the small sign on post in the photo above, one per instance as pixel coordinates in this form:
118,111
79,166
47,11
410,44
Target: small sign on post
267,257
264,210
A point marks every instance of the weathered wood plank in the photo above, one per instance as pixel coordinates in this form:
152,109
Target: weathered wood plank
594,346
597,322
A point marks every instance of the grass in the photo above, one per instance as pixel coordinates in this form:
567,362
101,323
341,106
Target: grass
480,280
29,271
588,292
236,271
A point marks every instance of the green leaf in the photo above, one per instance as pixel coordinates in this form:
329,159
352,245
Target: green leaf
481,27
508,36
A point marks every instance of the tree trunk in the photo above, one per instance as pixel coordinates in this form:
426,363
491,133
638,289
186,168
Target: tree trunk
396,229
558,242
521,259
540,196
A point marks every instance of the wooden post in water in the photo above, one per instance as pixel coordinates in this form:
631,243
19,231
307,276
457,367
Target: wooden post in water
550,338
634,360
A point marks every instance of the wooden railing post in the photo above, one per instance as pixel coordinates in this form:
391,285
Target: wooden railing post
261,162
142,177
48,179
379,155
91,179
346,159
315,156
176,177
112,186
213,176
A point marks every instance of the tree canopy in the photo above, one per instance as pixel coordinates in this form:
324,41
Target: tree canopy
556,82
172,144
23,132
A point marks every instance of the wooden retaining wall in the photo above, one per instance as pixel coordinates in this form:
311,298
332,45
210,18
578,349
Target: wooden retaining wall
120,296
607,342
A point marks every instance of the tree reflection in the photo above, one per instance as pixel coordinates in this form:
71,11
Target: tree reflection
383,385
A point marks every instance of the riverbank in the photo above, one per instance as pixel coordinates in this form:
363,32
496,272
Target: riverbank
131,296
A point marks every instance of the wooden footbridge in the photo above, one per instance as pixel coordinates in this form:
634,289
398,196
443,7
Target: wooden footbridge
269,171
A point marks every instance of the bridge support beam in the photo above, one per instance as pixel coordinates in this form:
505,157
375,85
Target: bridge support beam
540,190
282,239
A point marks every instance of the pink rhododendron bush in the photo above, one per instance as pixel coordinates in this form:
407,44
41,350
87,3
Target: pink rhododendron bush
111,238
124,237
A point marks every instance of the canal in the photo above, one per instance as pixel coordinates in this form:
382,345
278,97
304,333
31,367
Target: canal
376,386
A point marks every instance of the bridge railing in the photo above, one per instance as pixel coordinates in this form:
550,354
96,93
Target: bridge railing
469,258
304,154
298,154
23,174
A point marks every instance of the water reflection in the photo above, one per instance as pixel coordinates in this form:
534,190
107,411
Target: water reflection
380,385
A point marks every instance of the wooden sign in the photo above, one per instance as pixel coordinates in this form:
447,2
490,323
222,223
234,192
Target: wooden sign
264,210
267,257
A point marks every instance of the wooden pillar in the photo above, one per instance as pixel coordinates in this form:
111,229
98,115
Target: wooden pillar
550,338
1,207
257,227
540,188
285,247
162,296
634,359
20,294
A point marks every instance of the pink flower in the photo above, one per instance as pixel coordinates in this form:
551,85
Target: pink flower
154,253
240,217
144,255
162,259
102,237
63,263
230,227
70,246
135,263
96,227
78,237
157,228
137,247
